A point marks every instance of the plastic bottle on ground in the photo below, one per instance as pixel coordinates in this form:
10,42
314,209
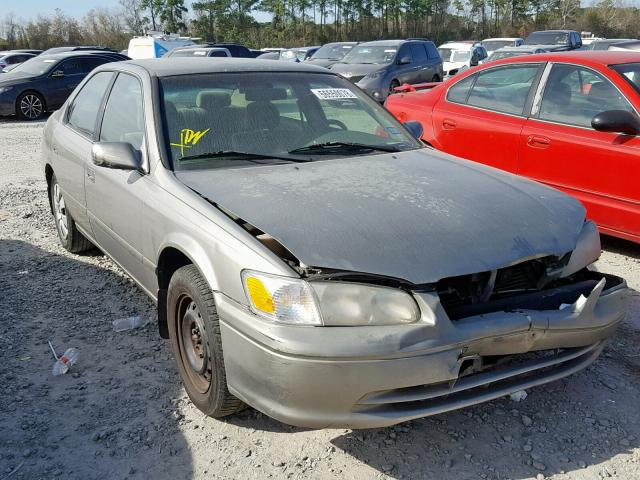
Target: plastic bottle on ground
130,323
68,358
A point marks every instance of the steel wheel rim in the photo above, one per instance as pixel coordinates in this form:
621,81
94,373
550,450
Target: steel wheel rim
31,106
193,344
60,212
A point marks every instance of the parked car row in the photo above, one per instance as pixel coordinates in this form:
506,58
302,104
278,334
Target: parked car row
569,120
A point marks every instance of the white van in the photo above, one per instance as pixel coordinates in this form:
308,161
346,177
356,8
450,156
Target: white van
156,44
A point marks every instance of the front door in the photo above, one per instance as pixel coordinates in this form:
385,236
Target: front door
63,80
559,147
115,197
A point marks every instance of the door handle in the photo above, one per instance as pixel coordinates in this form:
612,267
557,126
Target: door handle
538,141
449,124
91,175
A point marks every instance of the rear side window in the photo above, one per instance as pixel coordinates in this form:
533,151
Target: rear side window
460,91
218,53
503,90
83,111
418,52
123,119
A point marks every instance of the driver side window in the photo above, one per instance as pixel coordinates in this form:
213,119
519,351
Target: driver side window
71,66
405,52
574,95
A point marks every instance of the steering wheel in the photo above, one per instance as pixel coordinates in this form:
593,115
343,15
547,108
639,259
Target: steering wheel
337,123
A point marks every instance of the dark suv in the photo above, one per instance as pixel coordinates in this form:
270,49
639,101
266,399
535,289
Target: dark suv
43,83
379,67
555,40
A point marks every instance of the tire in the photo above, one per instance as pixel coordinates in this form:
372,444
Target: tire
435,78
30,106
68,234
194,330
392,86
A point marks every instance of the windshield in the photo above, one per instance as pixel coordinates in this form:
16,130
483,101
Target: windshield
332,52
36,66
379,54
547,38
279,117
492,45
631,73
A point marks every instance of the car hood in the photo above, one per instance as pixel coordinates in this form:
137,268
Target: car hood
446,66
419,215
14,78
349,70
552,48
322,62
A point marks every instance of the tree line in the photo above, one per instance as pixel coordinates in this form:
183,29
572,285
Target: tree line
312,22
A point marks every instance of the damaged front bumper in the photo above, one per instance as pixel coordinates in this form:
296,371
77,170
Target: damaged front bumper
375,376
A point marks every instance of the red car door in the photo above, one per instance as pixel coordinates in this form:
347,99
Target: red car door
559,147
481,116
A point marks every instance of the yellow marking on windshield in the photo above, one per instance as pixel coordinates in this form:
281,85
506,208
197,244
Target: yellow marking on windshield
189,138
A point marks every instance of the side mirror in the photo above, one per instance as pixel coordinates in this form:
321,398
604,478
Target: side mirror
404,61
617,121
117,155
415,128
58,74
475,60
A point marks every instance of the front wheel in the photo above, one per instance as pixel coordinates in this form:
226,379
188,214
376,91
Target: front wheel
30,106
392,86
435,79
194,330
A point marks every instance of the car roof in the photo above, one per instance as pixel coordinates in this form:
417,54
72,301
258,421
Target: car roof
78,53
582,57
383,43
457,45
553,31
165,67
501,38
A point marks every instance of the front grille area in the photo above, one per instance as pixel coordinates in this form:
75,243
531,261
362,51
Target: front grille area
478,293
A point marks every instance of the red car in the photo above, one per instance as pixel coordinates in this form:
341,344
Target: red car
568,119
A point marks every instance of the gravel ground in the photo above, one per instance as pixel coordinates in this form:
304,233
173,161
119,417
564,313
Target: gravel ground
121,412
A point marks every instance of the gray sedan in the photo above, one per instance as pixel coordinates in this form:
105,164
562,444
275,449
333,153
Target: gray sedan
309,257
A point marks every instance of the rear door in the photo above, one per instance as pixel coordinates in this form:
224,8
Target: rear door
480,116
559,147
114,197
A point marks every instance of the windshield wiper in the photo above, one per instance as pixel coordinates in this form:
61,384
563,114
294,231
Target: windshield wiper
331,147
240,156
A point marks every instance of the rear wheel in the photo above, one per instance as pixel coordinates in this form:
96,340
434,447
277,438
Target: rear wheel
194,330
68,234
30,106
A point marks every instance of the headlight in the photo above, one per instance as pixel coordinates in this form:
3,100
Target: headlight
587,249
5,89
281,299
347,304
297,302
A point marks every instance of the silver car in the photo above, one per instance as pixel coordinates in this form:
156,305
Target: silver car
309,257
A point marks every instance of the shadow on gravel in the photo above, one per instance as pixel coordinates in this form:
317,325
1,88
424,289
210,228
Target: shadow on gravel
15,120
620,246
112,415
